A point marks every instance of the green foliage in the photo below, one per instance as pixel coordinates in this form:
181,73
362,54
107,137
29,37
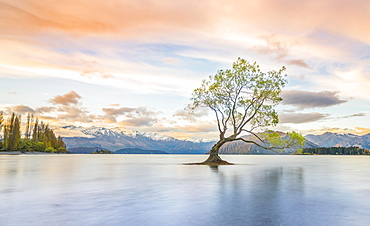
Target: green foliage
42,136
273,138
60,145
50,149
12,133
62,150
35,131
39,146
296,137
241,95
299,151
1,120
244,98
335,151
101,152
29,126
26,145
281,141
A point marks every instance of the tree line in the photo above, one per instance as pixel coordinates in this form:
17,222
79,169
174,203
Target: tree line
334,151
36,136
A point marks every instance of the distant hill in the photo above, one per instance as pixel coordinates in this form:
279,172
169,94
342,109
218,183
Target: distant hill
138,151
102,152
335,151
99,138
340,140
118,138
241,147
84,150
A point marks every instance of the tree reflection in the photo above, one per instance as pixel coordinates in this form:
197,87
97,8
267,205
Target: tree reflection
263,196
214,168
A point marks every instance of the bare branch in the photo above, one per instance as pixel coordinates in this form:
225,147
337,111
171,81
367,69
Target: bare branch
252,116
259,145
224,123
254,134
245,114
218,120
237,93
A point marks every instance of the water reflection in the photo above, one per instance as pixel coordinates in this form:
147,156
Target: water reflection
160,190
214,168
257,196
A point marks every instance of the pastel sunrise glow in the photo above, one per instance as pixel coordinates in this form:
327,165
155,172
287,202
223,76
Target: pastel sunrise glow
134,64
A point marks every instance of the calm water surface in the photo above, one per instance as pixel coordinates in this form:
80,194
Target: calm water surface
159,190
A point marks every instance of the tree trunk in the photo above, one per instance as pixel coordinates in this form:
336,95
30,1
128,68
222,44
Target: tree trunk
214,158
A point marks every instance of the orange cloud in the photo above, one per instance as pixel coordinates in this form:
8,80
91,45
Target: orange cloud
21,109
45,109
349,18
74,114
279,50
356,130
81,17
361,130
136,116
162,18
137,122
66,99
92,73
198,131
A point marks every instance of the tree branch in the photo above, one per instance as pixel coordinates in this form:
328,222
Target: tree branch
259,145
218,120
252,116
224,123
245,114
237,93
254,134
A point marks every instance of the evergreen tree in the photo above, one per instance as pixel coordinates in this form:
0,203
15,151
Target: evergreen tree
60,143
40,131
29,126
35,131
12,132
1,121
335,151
38,136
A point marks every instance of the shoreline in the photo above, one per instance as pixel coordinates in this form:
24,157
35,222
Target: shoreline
25,153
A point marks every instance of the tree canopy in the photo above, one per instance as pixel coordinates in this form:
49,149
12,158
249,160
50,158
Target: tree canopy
243,99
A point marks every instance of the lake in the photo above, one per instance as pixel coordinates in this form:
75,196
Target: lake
160,190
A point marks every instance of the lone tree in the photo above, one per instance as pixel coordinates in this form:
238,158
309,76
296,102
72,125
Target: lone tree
243,99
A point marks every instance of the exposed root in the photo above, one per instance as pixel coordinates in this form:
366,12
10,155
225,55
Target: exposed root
213,160
218,163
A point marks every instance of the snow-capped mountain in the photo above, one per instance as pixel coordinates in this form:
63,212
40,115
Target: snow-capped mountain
340,140
156,136
118,138
102,131
201,140
117,132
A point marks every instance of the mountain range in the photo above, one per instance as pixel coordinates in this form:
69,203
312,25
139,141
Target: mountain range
98,138
241,147
118,138
340,140
115,139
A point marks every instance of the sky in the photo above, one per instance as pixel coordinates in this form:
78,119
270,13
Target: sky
134,64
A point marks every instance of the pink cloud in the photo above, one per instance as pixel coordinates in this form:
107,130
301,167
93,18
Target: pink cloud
66,99
81,17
